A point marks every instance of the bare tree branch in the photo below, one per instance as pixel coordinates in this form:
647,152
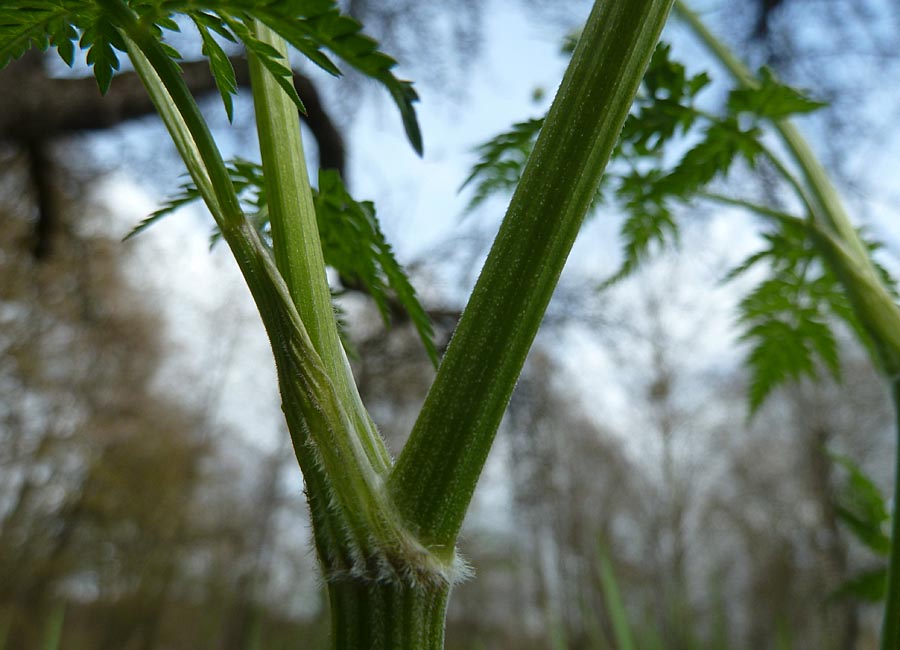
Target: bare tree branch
38,109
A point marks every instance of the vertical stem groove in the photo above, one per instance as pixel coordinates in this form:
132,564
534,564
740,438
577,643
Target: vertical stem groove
295,237
433,480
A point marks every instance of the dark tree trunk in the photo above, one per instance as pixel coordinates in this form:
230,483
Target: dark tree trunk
47,109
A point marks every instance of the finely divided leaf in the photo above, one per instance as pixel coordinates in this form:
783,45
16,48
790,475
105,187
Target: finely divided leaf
664,107
277,66
40,23
501,161
869,586
860,506
771,99
63,37
188,193
648,222
786,340
355,247
723,142
787,316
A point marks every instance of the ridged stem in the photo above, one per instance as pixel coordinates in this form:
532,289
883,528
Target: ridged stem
435,475
370,615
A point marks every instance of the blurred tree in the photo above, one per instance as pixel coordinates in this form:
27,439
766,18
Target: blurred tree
98,463
48,109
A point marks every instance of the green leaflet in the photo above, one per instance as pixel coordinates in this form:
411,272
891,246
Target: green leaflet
219,63
771,99
354,245
861,507
37,24
786,316
663,108
501,161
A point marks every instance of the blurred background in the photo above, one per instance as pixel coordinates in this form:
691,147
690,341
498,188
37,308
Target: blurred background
149,497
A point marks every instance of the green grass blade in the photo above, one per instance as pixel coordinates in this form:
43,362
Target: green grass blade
614,606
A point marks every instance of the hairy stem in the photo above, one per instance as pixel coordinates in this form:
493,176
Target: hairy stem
396,616
433,480
353,528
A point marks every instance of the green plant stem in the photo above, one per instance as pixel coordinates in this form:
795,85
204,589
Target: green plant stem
368,615
890,632
295,239
295,236
53,628
792,180
214,176
615,608
822,190
826,202
435,475
351,514
328,532
386,590
831,229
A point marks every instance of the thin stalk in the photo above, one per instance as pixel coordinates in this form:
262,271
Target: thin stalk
615,608
435,475
295,236
890,631
53,628
831,228
776,162
762,210
792,180
834,236
328,532
821,189
352,527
